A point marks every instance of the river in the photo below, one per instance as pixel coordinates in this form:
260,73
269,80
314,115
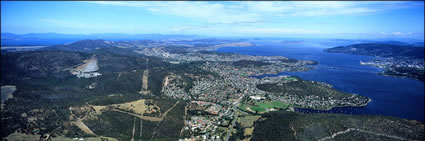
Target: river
392,96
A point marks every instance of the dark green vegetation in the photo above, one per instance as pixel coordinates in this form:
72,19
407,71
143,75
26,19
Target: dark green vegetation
16,66
406,72
296,126
113,124
169,128
382,50
44,84
238,134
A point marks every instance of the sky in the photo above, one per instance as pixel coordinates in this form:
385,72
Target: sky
383,19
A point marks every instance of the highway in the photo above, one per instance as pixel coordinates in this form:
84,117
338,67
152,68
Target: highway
235,118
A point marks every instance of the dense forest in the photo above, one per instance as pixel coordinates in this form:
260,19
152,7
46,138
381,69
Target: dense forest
284,125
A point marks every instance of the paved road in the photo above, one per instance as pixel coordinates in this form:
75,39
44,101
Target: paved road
235,118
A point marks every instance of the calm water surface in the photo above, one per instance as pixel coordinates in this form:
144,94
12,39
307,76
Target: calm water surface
401,97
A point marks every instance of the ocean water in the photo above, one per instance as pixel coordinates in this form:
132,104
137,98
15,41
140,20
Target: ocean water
391,96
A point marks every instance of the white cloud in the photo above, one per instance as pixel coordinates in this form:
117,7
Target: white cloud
244,12
262,30
248,17
398,33
239,30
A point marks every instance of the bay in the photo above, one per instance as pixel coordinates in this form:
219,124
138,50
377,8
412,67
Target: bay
391,96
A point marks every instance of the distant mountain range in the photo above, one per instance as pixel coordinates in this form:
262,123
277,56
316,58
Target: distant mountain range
47,39
11,39
386,49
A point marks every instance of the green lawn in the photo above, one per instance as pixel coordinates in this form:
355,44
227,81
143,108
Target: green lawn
290,78
262,106
257,108
274,104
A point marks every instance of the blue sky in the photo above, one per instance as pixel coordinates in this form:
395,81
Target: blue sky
304,18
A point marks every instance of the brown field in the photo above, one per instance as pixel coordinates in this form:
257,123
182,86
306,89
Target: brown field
99,109
137,107
62,138
248,120
248,131
83,127
134,108
21,137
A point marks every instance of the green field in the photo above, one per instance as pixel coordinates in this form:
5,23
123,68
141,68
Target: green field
263,106
257,108
290,78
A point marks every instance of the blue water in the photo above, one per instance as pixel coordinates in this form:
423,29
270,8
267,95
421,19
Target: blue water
401,97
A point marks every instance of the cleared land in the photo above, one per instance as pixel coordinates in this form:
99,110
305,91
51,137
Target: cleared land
89,65
25,137
83,127
6,92
145,82
138,107
135,110
248,120
248,131
263,106
101,138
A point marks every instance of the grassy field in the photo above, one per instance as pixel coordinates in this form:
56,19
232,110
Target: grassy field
19,136
263,106
247,120
137,107
290,79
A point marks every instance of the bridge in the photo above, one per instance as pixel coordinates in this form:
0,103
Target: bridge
344,69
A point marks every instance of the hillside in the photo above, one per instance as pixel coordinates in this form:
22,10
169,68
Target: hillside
296,126
381,49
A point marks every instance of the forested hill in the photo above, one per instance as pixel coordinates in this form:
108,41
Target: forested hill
381,49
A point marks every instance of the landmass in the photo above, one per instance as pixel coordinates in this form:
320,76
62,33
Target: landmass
294,126
311,94
399,59
166,90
